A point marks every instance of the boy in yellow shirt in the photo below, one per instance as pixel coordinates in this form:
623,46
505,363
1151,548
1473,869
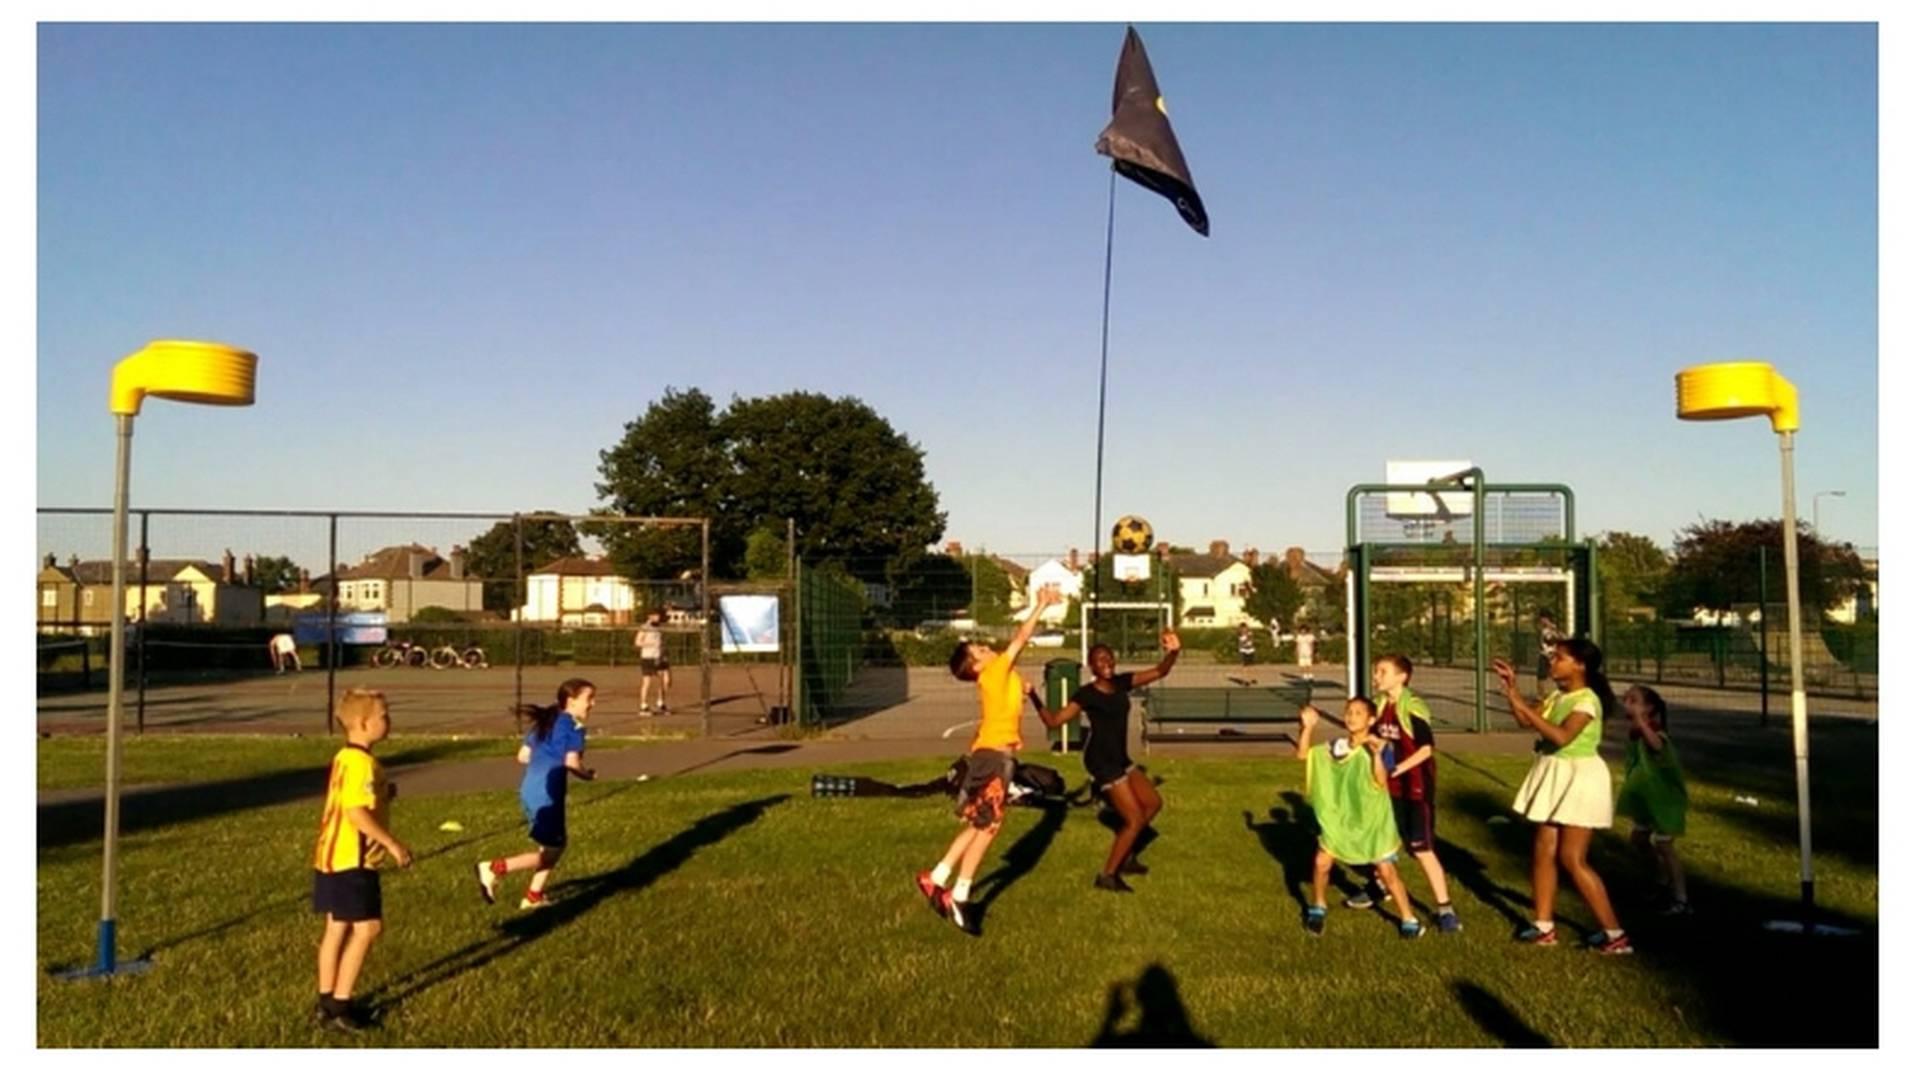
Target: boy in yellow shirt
983,791
347,855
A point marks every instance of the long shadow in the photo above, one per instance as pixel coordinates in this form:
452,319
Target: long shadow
1163,1021
81,820
1020,858
1496,1019
875,688
1289,839
574,900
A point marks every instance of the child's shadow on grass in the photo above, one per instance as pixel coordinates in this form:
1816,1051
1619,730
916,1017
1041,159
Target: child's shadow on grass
1291,837
1163,1016
1020,859
575,899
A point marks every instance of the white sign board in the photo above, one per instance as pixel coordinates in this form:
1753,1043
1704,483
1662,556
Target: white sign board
749,624
1132,567
1416,504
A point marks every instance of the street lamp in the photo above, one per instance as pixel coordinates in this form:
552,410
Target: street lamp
1730,391
1816,508
192,371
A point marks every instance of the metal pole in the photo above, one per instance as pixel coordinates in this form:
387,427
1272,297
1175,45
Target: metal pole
519,610
792,654
1480,602
1790,533
333,613
105,954
1764,710
1100,445
140,636
706,632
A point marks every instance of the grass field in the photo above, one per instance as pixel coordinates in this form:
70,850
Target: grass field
735,910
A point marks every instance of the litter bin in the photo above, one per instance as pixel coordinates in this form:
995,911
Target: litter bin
1062,678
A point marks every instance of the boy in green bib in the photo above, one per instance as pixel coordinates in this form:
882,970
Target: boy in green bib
1654,794
1347,788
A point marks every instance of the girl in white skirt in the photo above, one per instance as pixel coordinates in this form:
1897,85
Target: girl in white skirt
1569,792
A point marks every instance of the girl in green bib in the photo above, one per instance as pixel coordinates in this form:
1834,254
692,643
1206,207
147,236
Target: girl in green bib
1347,788
1654,793
1569,792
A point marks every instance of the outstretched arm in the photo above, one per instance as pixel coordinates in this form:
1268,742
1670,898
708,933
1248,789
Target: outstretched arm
1066,715
1047,597
1170,646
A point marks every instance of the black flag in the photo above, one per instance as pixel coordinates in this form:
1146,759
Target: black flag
1140,139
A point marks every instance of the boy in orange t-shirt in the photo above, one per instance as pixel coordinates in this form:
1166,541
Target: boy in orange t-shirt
983,791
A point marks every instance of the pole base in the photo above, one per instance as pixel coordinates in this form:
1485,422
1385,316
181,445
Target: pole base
124,967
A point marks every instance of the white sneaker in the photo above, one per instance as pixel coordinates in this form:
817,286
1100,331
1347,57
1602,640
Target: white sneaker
488,879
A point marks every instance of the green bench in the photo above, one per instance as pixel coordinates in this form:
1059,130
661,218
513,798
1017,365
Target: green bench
1266,711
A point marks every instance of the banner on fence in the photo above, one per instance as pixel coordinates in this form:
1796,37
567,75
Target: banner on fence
749,624
349,628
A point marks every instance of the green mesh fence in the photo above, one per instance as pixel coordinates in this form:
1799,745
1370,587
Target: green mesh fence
830,642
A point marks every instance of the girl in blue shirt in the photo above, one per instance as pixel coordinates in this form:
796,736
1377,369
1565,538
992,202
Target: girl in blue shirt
556,741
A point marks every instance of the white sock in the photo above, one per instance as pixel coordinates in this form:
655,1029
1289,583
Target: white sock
1615,934
961,890
940,874
1543,927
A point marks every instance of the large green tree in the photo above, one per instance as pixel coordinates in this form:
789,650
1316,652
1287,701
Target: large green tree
930,586
855,488
1275,595
1716,565
1633,570
490,556
275,573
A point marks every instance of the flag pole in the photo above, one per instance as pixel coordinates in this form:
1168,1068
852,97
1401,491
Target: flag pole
1100,447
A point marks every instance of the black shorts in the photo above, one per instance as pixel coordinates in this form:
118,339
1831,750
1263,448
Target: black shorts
1106,774
652,667
1415,819
347,895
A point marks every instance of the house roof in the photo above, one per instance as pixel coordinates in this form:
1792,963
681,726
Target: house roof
100,571
1198,566
1014,570
577,566
395,564
1309,573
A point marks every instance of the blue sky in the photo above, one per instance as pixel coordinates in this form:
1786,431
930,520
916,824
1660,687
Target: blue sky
468,255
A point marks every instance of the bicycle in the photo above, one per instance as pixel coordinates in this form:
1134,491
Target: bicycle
446,656
403,652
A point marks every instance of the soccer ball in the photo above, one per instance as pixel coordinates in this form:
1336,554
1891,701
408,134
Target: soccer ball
1132,535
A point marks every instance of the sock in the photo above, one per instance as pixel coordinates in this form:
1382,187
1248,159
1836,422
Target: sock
1543,927
1446,907
499,867
1615,935
1407,923
534,896
940,875
1316,909
962,889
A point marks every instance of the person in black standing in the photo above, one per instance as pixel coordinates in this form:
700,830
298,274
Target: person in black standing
1105,703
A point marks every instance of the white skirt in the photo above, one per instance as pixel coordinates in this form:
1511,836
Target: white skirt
1567,791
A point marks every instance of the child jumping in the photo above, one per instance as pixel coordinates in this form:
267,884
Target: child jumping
983,791
1405,727
1347,788
347,857
1115,776
1654,793
1568,793
555,743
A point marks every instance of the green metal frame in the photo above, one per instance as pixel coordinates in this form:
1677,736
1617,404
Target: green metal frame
1360,560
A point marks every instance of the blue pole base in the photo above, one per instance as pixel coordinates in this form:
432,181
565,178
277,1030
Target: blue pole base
106,964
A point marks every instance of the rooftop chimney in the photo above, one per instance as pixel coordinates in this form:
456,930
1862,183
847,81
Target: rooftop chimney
954,549
1296,561
226,567
51,561
1073,559
416,563
1160,549
1218,549
457,562
1251,556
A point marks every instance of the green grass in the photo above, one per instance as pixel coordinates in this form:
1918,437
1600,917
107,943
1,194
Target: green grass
735,910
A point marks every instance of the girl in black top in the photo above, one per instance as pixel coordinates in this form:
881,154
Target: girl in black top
1105,703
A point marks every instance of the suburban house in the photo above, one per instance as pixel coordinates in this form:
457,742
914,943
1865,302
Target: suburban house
578,592
1067,576
78,596
306,595
1213,587
404,579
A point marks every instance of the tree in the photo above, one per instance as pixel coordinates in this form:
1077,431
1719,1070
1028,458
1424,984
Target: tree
1275,595
1716,565
991,593
930,586
490,556
855,488
766,554
1633,570
276,573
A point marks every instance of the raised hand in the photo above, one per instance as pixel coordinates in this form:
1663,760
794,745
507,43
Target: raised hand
1169,641
1505,671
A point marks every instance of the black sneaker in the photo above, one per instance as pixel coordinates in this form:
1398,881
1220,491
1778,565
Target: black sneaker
1111,883
1133,865
1316,921
351,1018
961,918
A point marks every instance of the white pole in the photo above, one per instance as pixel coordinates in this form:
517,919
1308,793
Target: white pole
1790,528
116,683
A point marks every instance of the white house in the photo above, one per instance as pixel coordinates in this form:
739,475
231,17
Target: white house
578,592
1213,588
1060,575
